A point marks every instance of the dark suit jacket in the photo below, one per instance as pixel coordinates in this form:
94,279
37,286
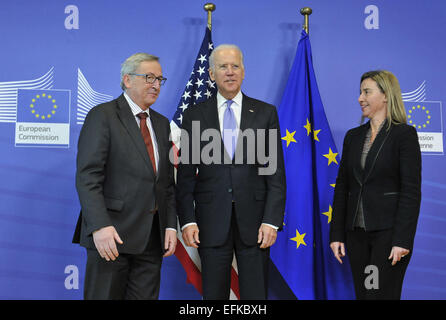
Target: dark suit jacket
115,180
258,198
389,185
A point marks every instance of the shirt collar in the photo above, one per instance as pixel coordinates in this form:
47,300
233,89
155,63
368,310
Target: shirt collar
221,101
134,107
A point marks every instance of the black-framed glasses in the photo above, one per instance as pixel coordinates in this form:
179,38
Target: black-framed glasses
150,78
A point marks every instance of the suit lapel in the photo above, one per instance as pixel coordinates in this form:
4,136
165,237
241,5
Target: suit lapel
210,114
358,145
248,115
249,112
129,122
157,128
375,150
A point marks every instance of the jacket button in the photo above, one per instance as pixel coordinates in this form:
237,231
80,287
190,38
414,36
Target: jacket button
229,190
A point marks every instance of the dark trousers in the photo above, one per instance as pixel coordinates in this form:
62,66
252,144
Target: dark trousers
252,266
373,248
129,277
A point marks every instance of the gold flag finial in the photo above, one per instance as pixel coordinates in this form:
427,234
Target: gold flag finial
306,13
209,7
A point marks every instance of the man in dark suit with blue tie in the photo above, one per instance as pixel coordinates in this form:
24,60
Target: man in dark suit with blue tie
234,203
125,184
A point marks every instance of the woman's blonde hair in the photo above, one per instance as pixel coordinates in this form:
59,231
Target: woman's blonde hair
389,85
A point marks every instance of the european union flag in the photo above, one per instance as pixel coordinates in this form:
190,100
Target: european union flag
425,116
43,106
302,253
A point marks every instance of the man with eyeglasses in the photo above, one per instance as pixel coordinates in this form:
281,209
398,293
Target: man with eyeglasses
125,184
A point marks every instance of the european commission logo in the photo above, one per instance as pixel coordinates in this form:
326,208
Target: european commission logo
426,117
43,118
40,113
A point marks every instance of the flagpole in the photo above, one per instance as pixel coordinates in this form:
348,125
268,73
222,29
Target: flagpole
209,7
306,13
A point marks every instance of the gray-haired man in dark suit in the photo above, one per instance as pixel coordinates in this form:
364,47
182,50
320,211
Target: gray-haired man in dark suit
229,205
125,184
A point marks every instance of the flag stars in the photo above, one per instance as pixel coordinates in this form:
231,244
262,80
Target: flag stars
331,156
299,239
186,95
201,70
328,213
210,83
289,137
315,133
197,95
199,87
184,106
202,58
199,83
308,127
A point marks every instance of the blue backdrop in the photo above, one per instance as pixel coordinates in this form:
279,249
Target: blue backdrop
73,50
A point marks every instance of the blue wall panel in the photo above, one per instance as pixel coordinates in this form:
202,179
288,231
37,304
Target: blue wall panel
39,204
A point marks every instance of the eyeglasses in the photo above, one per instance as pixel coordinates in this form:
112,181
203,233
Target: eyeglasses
150,78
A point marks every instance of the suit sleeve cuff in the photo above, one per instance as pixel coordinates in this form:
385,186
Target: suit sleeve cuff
272,226
187,225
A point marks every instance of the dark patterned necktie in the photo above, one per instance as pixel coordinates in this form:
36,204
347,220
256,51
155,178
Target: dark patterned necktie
147,138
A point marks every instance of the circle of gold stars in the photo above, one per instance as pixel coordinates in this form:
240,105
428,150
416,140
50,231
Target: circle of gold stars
34,110
421,109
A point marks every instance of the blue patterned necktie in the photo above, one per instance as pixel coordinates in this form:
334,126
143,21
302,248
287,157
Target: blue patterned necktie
229,129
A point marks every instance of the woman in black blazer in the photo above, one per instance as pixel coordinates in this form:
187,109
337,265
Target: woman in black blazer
378,191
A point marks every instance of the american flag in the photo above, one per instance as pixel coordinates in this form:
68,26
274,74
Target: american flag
199,88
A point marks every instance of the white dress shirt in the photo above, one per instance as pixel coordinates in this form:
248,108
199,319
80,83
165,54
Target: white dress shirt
136,110
236,107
